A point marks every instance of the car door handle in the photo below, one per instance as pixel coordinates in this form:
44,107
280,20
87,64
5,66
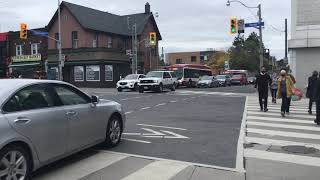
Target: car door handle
71,113
22,120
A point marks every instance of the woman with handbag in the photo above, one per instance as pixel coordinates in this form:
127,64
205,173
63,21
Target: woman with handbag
285,91
311,89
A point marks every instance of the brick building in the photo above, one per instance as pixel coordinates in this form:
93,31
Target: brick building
95,43
196,57
3,55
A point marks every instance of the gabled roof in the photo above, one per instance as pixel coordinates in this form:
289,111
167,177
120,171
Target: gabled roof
102,21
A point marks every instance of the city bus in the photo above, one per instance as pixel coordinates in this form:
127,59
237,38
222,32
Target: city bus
189,74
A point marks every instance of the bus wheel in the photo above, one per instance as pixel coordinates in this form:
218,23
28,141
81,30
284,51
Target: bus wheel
190,83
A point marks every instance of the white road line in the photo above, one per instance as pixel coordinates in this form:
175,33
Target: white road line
285,126
278,110
289,158
184,99
283,133
159,170
162,104
145,108
129,112
176,136
279,115
259,118
173,101
275,142
136,140
166,127
240,154
279,107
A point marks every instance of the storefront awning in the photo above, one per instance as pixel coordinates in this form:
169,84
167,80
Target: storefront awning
23,64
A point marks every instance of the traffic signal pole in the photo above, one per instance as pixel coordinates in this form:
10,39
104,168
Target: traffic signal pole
260,35
59,44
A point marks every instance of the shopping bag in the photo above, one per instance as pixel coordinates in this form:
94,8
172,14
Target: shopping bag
298,92
295,98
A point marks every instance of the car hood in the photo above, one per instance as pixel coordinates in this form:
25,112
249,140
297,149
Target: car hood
151,78
205,81
127,81
221,79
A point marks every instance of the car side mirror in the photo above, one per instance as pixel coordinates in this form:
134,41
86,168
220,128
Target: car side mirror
94,99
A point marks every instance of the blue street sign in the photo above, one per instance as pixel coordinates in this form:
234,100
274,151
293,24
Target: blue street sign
256,24
40,33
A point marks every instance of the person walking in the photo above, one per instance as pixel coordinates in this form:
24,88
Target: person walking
317,99
262,83
293,79
312,80
274,87
285,91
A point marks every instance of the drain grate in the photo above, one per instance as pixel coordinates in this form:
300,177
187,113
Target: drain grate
299,149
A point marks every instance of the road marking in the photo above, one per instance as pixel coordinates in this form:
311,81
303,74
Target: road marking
278,110
279,107
192,97
145,108
136,140
157,134
159,170
167,127
285,126
162,104
153,132
184,99
266,141
129,112
259,118
283,133
240,153
289,158
279,115
173,101
174,135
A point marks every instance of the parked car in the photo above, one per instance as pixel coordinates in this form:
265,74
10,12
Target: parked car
239,79
42,121
129,82
157,81
252,80
224,80
208,82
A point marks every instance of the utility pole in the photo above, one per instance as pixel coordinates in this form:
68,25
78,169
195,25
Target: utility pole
136,48
60,63
260,35
286,39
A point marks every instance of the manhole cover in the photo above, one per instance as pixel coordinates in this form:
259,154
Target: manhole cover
299,149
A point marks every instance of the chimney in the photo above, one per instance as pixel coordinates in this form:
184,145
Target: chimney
147,8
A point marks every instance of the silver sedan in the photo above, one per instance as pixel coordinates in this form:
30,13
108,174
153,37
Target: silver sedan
42,121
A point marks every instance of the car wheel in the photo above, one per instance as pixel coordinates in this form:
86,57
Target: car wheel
15,163
114,131
136,87
141,89
119,89
173,88
160,88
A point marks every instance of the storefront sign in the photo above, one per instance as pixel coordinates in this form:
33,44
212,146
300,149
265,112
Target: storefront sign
93,73
108,72
78,73
26,58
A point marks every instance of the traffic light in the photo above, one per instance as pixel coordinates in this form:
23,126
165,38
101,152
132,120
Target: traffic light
241,26
153,39
23,31
233,25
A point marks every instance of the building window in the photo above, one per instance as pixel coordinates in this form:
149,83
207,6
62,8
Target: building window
56,36
108,72
109,45
93,73
193,58
179,61
35,48
78,73
19,50
74,36
95,40
65,17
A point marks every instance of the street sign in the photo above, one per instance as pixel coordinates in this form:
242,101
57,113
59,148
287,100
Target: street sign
256,24
39,33
226,65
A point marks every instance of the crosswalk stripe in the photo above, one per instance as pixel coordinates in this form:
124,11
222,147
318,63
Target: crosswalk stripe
283,133
159,170
259,118
279,108
275,142
278,111
285,126
289,158
278,114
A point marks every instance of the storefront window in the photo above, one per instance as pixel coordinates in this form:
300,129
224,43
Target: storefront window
35,48
93,73
108,72
78,73
19,51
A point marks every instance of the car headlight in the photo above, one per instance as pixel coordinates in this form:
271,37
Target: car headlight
130,83
155,81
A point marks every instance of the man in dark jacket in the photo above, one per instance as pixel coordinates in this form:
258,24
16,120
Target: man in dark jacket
312,80
262,83
317,99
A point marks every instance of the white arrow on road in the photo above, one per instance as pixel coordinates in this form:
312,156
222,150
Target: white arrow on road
158,134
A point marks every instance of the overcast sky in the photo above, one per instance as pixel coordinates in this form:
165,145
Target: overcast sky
185,25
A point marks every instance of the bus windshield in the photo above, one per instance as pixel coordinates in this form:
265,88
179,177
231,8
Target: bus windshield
179,73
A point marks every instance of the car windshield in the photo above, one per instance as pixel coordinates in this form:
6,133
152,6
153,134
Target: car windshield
206,78
221,77
154,74
131,77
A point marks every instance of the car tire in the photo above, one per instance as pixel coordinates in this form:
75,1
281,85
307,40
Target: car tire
141,90
135,87
114,131
173,88
119,89
25,165
160,88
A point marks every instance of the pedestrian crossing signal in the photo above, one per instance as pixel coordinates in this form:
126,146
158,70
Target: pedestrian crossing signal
233,25
153,39
23,31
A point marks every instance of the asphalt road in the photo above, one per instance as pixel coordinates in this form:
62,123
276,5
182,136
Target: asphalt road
194,127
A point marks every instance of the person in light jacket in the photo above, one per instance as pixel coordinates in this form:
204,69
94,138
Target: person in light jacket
274,87
285,91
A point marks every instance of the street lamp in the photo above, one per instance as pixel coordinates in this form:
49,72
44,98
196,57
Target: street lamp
260,27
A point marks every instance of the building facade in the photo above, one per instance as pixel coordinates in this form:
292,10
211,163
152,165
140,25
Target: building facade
196,57
94,45
304,45
4,72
